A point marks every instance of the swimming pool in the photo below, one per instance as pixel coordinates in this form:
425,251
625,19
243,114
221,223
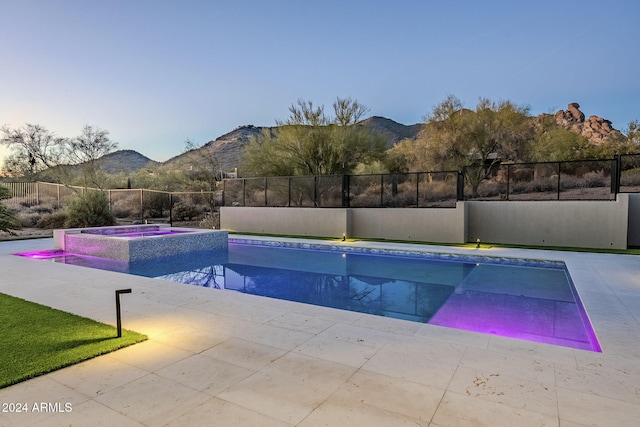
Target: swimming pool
524,299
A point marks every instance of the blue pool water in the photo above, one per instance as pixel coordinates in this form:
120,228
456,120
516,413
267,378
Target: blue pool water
525,300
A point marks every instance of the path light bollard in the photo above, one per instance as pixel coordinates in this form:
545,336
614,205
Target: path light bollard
118,320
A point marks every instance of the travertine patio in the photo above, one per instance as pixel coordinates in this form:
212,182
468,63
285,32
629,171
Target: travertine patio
224,358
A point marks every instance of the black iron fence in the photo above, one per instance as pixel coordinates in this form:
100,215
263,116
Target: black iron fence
418,189
599,179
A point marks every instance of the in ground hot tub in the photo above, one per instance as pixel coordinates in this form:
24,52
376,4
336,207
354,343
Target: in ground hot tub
138,242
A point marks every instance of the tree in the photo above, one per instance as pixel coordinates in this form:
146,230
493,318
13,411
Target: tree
33,149
8,220
85,150
633,133
476,141
202,164
554,143
310,143
38,150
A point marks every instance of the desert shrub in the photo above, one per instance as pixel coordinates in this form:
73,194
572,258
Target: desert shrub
90,209
185,211
29,219
630,177
123,209
52,221
8,218
488,189
211,220
588,180
437,191
540,185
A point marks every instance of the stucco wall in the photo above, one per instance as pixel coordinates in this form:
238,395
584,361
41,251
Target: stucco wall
634,220
426,225
295,221
589,224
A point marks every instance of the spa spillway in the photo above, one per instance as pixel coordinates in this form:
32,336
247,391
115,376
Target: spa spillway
138,242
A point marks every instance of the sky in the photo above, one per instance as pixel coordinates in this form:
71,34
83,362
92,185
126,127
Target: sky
155,73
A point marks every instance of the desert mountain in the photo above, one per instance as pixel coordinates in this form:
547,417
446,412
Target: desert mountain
125,161
229,148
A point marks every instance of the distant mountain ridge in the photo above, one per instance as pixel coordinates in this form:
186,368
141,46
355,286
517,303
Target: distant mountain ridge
229,148
125,161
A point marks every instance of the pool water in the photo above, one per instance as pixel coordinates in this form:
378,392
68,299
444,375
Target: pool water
532,302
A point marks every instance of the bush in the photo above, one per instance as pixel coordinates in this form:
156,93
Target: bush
211,220
29,219
8,219
90,209
185,211
53,221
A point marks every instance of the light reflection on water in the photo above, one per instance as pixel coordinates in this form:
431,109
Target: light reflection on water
532,303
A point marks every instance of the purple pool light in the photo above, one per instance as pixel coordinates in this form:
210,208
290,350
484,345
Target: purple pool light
45,254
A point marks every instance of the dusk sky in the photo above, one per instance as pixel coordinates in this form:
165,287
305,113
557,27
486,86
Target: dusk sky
154,73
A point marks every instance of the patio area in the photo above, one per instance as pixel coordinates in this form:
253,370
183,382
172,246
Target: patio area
225,358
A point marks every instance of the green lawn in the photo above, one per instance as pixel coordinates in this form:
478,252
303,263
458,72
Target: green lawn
35,339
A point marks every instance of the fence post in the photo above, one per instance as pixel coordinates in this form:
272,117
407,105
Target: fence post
171,209
244,192
345,191
508,179
224,190
141,207
616,171
417,189
289,192
381,190
460,185
315,191
559,169
265,192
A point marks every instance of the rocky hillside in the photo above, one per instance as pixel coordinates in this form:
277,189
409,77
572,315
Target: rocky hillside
595,129
125,161
229,148
392,131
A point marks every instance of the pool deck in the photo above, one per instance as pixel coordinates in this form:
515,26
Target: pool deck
229,359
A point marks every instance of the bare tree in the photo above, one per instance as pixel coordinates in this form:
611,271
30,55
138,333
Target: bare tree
33,149
86,149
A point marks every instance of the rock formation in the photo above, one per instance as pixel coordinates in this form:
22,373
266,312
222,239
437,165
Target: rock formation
595,128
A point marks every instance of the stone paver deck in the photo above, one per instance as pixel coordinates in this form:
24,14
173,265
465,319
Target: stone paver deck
229,359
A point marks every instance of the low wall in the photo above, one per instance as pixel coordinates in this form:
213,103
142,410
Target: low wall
634,220
430,225
425,225
588,224
321,222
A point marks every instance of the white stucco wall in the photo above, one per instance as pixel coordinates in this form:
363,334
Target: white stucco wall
589,224
634,220
426,225
319,222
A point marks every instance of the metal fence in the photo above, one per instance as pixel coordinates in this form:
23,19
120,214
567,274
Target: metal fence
129,206
570,180
599,179
418,189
